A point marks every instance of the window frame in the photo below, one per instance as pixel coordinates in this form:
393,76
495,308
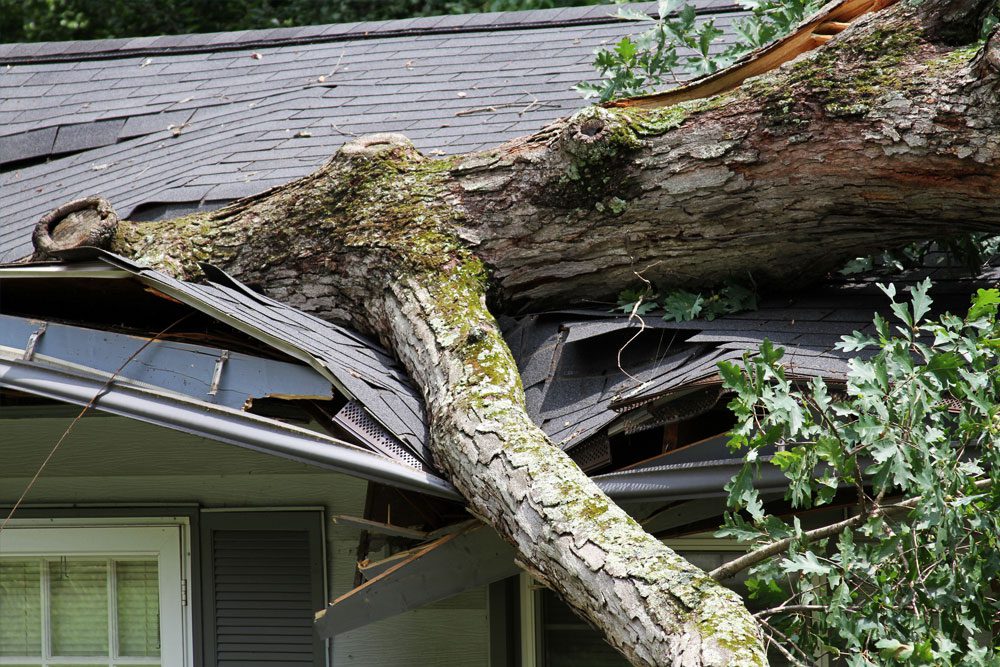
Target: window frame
166,538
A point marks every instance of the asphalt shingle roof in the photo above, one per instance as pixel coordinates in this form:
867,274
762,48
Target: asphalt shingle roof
583,370
164,125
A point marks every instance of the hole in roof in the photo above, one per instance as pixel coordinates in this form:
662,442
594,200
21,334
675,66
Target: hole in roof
150,211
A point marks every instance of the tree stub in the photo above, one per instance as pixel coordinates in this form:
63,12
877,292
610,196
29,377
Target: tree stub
87,222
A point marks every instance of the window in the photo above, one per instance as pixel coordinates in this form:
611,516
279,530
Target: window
107,596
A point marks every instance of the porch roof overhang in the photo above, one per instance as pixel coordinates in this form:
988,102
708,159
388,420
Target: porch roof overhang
217,422
76,365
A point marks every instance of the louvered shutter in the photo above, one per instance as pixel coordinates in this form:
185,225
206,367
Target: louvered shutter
262,584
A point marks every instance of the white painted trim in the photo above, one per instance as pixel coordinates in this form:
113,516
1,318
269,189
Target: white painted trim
294,508
166,538
81,270
96,522
530,618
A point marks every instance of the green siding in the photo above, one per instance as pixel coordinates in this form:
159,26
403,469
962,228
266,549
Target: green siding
111,460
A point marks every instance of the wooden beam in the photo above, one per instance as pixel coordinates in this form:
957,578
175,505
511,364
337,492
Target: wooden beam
471,557
371,569
379,527
760,61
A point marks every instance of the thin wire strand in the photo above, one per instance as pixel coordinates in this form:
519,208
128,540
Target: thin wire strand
100,392
633,316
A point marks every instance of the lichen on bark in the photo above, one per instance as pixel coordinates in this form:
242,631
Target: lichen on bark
421,253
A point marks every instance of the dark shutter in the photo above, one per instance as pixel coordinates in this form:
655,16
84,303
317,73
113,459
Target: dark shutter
262,578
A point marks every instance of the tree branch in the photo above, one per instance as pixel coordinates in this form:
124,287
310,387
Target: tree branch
763,553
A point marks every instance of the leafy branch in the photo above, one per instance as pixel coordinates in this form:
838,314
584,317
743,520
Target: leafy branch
680,305
678,41
905,582
971,251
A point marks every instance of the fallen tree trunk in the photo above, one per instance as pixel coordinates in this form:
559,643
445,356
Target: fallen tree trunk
885,135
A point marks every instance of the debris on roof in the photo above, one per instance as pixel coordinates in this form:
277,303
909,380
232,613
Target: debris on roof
592,379
162,126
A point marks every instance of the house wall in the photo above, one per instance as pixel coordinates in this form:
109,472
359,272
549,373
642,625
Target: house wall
115,461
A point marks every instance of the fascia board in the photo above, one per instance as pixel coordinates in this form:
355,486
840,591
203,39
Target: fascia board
219,423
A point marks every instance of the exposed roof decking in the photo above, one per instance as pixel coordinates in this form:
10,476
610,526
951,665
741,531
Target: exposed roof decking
245,123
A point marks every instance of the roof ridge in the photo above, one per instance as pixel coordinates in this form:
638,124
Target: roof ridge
100,49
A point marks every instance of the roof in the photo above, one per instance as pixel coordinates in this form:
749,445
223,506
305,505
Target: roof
208,390
168,124
164,125
384,411
588,374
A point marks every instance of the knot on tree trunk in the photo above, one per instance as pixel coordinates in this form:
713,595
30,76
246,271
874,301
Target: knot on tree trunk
378,144
594,127
88,222
590,130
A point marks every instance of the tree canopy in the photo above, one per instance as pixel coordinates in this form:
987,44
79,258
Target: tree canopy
57,20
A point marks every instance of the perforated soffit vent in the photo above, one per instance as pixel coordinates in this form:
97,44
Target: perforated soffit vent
354,419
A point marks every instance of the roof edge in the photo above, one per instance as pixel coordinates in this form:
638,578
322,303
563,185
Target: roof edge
137,47
218,423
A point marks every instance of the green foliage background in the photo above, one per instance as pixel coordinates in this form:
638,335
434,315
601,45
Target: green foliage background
910,578
56,20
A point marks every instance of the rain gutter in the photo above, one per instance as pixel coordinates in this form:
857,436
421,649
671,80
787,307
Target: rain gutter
219,423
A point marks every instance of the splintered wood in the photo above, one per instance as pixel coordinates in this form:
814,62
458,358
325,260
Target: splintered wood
818,30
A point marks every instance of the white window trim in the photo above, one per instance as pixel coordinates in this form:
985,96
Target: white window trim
167,538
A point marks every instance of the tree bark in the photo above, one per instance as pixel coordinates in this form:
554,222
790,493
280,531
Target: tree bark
886,135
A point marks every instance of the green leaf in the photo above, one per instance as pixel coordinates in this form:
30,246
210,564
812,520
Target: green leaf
806,563
667,7
742,493
626,49
855,341
787,459
945,361
682,306
706,36
630,14
984,303
857,265
920,300
902,313
769,354
765,591
893,649
732,376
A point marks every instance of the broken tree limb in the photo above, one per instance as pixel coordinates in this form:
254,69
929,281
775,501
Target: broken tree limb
884,135
818,29
761,554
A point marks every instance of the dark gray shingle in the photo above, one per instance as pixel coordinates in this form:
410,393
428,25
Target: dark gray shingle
402,76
